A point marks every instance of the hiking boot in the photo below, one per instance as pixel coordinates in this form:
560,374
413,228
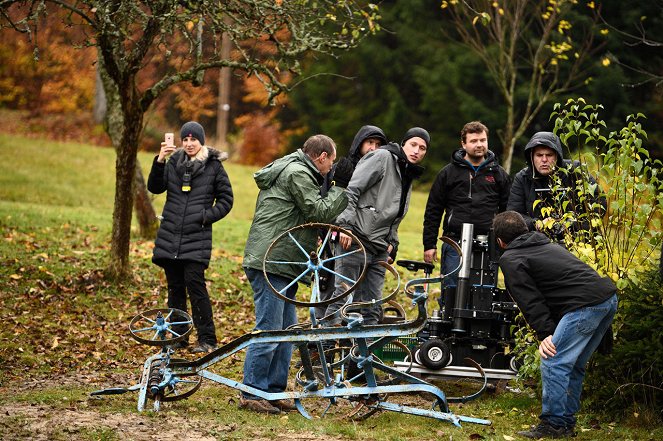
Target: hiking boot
261,406
284,405
547,430
202,348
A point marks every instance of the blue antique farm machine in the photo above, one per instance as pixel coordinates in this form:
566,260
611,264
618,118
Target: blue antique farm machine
338,369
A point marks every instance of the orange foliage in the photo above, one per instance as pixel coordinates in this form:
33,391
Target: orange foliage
61,81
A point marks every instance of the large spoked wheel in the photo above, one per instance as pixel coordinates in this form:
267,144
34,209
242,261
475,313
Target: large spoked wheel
299,250
161,327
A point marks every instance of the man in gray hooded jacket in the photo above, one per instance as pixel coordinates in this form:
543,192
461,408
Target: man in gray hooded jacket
378,198
551,179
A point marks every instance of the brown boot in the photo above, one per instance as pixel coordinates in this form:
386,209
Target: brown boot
284,405
262,406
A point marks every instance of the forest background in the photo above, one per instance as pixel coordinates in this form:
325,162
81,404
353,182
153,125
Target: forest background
415,70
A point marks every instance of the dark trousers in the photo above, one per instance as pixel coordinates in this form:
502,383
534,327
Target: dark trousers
189,277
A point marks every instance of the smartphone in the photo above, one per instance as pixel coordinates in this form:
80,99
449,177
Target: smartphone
169,139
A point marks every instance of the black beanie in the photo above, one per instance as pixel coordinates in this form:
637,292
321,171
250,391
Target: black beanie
416,132
193,129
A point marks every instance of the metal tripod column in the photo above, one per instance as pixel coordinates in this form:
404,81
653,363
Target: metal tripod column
463,288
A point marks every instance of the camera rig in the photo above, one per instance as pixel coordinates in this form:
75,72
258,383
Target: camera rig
476,319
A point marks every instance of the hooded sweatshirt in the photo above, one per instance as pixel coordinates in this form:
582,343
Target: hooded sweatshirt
465,194
530,186
547,281
364,133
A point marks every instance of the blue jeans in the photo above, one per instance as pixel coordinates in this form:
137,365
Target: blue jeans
370,288
576,337
449,261
266,365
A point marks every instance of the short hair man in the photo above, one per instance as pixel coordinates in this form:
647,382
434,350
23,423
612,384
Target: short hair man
378,199
472,188
543,154
569,306
289,196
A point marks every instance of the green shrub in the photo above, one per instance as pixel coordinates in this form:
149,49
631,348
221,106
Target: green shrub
630,380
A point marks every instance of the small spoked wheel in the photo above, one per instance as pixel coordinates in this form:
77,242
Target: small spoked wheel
302,252
161,327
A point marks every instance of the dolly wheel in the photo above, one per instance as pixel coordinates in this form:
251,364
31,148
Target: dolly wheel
434,354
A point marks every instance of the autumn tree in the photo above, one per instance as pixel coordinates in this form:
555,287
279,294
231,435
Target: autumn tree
130,34
532,49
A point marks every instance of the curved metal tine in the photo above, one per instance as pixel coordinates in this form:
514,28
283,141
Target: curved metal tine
169,314
175,333
188,322
156,334
298,245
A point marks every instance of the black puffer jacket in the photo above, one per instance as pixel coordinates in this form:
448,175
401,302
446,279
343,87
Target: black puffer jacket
529,186
465,194
547,281
186,227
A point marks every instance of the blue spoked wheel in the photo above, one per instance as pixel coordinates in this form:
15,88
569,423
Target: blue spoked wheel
161,327
305,251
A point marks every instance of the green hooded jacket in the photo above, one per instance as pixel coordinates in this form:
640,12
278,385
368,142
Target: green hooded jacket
289,196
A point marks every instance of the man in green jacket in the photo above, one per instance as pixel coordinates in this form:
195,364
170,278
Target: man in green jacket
289,196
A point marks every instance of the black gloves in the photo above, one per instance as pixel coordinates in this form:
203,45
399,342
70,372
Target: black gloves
343,172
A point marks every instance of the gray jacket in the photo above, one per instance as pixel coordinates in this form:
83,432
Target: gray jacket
374,195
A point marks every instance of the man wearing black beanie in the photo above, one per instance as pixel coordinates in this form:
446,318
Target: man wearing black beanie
378,197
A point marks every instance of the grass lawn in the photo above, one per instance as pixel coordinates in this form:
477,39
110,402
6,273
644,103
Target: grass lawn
64,325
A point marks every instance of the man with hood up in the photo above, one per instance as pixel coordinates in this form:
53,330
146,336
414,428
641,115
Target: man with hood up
378,198
367,139
536,182
472,188
289,196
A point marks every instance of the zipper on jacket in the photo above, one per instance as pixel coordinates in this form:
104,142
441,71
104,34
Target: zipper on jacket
186,205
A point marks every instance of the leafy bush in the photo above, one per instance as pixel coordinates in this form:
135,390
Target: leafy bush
630,380
621,243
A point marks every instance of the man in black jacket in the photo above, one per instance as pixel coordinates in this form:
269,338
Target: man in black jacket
540,181
472,188
569,306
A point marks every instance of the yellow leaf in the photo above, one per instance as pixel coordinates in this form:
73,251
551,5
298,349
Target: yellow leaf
605,62
55,343
16,277
508,438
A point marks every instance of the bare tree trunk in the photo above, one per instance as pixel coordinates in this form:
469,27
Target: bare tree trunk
146,216
223,108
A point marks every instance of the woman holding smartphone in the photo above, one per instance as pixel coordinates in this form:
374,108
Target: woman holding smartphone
198,193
